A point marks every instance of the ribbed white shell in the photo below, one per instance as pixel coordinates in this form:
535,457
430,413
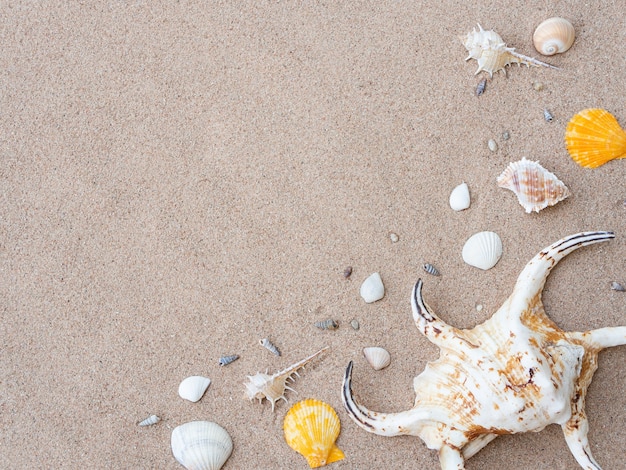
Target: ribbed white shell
201,445
482,250
378,357
192,388
372,288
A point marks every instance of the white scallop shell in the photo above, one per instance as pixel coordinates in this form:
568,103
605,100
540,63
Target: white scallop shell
482,250
460,197
379,358
554,36
192,388
201,445
372,288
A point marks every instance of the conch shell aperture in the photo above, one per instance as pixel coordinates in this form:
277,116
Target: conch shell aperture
516,372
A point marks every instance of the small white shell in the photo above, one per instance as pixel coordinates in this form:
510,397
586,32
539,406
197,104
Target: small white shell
372,288
379,358
482,250
149,421
267,344
201,445
460,197
554,36
192,388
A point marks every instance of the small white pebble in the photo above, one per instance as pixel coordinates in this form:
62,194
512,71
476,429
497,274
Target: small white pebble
538,86
393,237
492,145
479,308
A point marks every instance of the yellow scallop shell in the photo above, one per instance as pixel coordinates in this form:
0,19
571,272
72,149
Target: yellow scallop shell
594,137
311,428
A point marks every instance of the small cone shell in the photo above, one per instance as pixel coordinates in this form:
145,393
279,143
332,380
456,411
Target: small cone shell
594,137
536,188
311,428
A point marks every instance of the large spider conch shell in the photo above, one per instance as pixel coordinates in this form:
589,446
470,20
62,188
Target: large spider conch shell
492,54
311,428
554,36
273,387
594,137
201,445
482,250
516,372
535,187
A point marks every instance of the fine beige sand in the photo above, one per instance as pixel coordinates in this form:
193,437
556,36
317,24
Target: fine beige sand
181,179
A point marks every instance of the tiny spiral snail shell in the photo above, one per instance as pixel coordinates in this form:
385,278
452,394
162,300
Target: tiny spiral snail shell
554,35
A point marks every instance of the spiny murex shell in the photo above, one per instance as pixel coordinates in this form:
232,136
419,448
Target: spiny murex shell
492,54
273,387
516,372
536,188
201,445
311,428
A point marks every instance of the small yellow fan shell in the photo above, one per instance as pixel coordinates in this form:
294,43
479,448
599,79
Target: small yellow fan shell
311,428
594,137
554,36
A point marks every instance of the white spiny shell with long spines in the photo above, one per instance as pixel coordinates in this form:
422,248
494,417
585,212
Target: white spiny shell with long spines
192,388
201,445
272,387
378,357
517,372
554,36
482,250
536,188
311,428
492,54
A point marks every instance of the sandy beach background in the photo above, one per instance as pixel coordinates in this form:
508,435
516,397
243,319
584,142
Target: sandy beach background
180,179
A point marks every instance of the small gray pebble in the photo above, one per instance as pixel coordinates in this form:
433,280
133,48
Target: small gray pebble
506,135
355,324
